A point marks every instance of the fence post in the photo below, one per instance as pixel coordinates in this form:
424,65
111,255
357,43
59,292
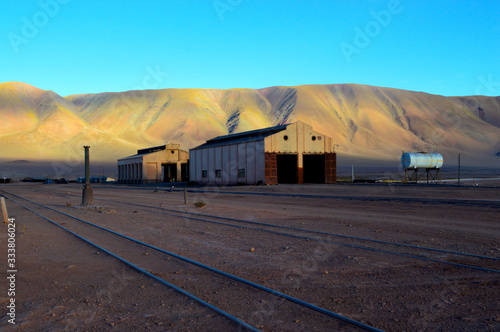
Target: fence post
4,211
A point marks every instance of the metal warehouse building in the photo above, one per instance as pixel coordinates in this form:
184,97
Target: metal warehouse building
165,163
292,153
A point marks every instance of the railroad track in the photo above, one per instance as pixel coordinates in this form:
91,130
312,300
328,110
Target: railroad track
237,299
453,258
440,256
494,203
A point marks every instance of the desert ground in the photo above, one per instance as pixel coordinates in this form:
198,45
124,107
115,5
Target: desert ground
64,283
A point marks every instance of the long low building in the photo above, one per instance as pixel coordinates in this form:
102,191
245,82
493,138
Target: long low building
165,163
291,153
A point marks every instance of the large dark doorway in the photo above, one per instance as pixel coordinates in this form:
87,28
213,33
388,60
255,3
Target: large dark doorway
184,172
314,168
170,172
287,168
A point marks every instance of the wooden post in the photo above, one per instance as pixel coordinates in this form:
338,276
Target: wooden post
185,196
4,211
88,193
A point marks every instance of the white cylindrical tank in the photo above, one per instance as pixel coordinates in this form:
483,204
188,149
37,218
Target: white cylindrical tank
421,160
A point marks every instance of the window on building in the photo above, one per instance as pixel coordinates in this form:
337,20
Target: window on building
204,173
218,173
241,172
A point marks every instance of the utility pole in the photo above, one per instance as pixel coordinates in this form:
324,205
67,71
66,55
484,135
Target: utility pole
88,193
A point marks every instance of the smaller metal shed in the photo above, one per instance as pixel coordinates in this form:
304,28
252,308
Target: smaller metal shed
164,163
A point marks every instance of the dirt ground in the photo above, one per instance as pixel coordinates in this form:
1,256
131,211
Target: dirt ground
65,284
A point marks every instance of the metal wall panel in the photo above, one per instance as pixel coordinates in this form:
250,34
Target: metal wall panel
199,165
218,163
211,165
233,164
192,166
226,166
250,170
218,157
204,163
260,162
242,156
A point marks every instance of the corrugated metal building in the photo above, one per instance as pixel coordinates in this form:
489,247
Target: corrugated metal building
292,153
165,163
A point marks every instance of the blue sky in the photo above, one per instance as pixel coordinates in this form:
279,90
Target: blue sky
69,46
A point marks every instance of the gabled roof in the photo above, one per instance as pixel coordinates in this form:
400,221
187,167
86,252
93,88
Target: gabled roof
131,157
154,149
151,150
244,137
143,152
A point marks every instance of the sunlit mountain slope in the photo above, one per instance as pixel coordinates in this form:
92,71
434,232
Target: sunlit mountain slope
367,121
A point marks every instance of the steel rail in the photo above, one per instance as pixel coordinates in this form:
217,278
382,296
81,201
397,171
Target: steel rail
339,243
326,241
468,202
458,253
244,281
148,274
311,231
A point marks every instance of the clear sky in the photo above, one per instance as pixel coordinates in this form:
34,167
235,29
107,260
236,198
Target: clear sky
73,46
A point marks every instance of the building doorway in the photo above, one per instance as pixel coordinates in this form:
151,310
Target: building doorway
287,168
184,172
169,172
314,168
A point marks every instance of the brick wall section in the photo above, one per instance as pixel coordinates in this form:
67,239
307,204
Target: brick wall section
271,168
330,168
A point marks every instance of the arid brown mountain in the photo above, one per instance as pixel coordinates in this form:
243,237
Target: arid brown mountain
366,121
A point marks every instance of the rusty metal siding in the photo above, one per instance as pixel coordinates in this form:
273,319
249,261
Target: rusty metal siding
330,168
271,168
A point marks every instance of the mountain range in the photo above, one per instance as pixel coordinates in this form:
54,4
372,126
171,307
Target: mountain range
371,122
